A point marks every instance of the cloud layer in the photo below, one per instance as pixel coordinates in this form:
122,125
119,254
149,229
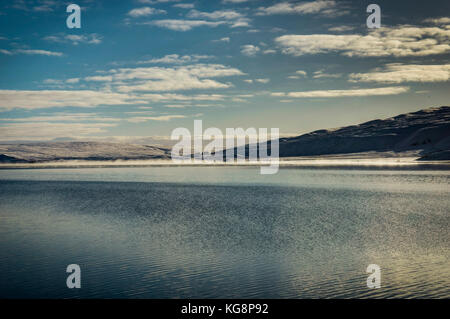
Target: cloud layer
10,99
323,7
196,76
399,73
345,93
398,42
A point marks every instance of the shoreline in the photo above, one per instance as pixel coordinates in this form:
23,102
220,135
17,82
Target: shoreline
295,162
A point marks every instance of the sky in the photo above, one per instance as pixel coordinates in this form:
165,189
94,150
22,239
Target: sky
138,69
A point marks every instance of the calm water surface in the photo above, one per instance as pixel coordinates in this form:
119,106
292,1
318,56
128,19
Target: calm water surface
224,232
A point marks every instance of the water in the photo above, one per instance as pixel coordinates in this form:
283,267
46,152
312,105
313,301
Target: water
224,232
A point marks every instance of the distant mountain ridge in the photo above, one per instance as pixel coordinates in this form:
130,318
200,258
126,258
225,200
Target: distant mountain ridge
427,132
92,151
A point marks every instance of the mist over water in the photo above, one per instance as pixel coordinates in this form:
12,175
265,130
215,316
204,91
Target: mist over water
224,232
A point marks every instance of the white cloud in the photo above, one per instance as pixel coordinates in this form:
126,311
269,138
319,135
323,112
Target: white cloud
125,80
164,118
298,74
324,7
344,93
269,51
244,22
145,11
46,5
196,76
39,52
176,106
343,28
184,25
75,39
73,80
249,50
99,78
6,52
224,39
91,38
234,1
38,6
399,73
10,99
53,38
178,59
180,97
60,84
321,74
161,73
438,21
389,41
30,52
215,15
184,5
231,17
63,117
20,131
183,83
262,80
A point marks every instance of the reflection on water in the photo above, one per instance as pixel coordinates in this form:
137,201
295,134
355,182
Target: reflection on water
224,232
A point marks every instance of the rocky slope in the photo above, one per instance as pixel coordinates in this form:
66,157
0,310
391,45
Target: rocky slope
427,131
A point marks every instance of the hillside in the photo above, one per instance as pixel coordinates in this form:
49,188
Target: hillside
426,131
93,151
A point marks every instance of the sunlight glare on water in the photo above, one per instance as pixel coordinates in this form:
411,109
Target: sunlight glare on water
193,232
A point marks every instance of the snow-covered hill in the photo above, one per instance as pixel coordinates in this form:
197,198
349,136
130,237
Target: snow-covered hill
426,131
93,151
